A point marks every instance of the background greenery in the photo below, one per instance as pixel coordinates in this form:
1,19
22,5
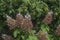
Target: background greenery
37,9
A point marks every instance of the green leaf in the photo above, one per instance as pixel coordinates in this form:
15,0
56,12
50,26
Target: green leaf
44,28
16,32
32,37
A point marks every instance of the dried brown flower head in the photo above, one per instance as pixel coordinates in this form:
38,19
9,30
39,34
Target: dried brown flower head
58,30
7,37
42,35
20,22
27,23
27,16
48,18
19,19
10,22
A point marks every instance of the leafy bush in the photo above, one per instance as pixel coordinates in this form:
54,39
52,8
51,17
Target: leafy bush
45,16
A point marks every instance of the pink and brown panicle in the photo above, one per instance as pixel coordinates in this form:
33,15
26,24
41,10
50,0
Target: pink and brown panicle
48,18
20,22
58,30
7,37
42,35
11,22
